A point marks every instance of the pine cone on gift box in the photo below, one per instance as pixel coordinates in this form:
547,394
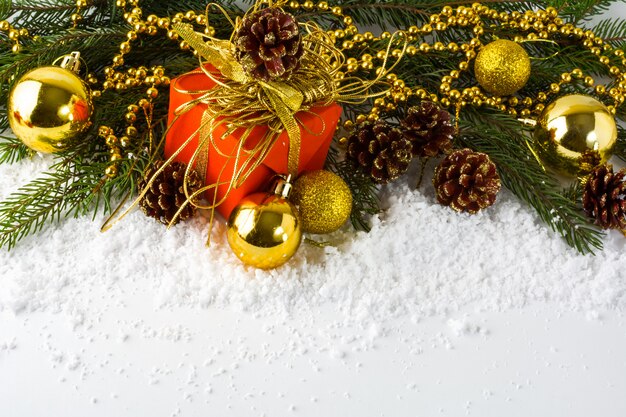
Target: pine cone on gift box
269,44
429,128
467,181
604,197
166,193
380,150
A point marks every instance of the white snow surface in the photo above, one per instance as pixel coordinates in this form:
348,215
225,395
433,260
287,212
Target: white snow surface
420,259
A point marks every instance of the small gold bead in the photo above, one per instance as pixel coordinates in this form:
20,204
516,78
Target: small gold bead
111,140
164,22
337,11
152,92
445,102
604,60
104,131
294,5
513,101
96,93
172,34
131,117
184,45
424,47
600,89
614,70
427,28
589,81
577,73
125,47
463,65
453,47
16,48
566,77
111,171
108,85
361,118
118,60
555,88
525,113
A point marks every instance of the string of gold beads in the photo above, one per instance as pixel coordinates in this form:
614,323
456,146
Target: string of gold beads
14,34
77,16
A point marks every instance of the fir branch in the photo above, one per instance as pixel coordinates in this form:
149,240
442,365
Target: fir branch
31,207
12,150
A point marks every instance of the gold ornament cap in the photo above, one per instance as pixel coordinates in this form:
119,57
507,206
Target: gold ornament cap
502,67
50,107
574,134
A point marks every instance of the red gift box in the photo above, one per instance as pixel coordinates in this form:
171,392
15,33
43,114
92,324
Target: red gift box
321,123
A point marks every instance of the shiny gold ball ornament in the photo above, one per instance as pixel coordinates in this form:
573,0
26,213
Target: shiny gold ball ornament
264,230
324,201
502,67
50,107
574,134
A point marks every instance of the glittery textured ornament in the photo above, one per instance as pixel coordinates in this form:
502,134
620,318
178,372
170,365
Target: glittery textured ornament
502,67
574,134
324,201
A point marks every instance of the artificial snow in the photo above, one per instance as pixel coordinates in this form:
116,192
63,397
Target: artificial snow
420,259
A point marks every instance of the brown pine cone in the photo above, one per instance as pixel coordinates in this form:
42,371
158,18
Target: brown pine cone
380,151
604,197
269,44
429,128
166,193
466,181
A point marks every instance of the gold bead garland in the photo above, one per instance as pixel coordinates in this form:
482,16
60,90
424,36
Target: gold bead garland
14,34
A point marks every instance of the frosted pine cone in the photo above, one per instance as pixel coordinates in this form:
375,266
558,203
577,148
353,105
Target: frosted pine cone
429,129
380,151
166,193
467,181
269,44
604,197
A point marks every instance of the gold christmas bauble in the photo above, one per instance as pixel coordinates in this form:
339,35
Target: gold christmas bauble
324,201
502,67
574,134
49,108
264,230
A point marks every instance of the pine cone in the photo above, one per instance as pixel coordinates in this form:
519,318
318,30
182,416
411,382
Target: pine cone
466,181
166,193
429,129
269,44
604,197
380,151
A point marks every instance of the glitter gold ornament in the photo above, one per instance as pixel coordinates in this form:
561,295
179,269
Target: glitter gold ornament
264,230
574,134
324,201
49,107
502,67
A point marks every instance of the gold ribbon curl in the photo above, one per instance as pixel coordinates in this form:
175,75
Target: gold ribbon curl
241,102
